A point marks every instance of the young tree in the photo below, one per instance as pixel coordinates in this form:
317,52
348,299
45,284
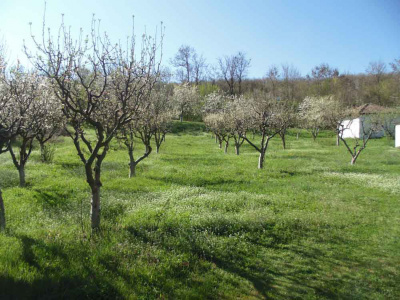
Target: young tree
25,90
368,127
285,116
162,114
136,130
261,110
214,114
312,114
153,120
216,122
334,112
236,122
100,86
185,99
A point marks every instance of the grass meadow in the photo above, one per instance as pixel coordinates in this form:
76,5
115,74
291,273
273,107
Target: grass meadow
200,224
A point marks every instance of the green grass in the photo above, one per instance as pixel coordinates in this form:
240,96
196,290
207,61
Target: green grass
198,224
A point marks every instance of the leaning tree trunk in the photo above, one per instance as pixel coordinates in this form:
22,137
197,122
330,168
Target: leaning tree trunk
261,159
2,214
226,147
337,139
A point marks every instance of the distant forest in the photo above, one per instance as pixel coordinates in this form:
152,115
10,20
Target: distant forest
380,84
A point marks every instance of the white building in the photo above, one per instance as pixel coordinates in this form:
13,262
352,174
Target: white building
357,127
397,141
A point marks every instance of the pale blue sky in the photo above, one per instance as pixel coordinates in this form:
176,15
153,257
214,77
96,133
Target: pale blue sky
346,34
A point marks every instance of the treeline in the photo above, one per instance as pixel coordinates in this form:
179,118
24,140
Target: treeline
380,84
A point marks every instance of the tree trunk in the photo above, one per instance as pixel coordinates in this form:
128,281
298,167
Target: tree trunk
220,145
237,149
2,214
337,139
132,169
181,118
216,139
95,207
283,141
353,160
157,149
42,152
21,171
132,164
226,147
261,160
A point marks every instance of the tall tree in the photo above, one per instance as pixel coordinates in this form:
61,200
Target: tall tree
101,86
376,90
233,69
190,66
272,78
183,62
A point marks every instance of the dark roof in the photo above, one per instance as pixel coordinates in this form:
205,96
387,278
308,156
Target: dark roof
369,108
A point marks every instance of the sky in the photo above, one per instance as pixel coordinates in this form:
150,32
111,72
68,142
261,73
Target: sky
346,34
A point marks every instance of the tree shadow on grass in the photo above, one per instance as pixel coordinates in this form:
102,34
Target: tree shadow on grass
275,267
198,182
53,199
54,282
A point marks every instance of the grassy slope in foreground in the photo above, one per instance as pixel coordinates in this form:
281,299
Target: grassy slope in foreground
196,223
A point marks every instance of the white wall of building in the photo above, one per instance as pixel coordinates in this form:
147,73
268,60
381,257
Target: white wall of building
397,141
351,128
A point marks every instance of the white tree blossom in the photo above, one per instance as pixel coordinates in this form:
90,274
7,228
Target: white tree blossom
101,86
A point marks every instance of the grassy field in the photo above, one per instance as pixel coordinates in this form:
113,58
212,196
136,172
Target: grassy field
198,224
